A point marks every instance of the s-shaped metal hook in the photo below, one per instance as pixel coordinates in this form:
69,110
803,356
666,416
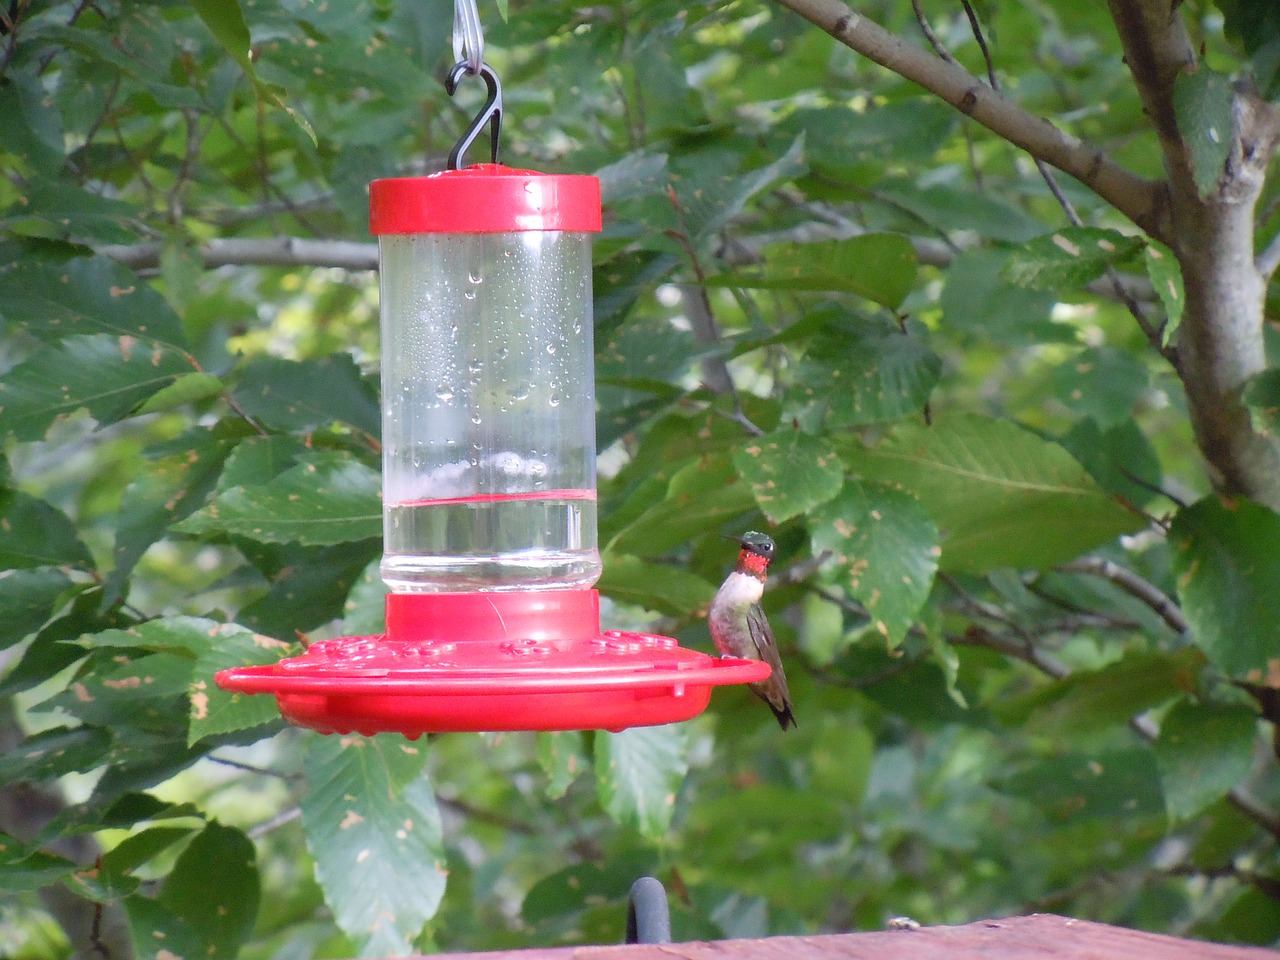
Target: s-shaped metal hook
490,113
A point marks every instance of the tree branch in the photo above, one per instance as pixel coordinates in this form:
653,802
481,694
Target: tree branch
1135,586
1139,199
255,251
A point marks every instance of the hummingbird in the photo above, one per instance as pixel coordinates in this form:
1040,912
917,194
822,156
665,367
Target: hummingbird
738,625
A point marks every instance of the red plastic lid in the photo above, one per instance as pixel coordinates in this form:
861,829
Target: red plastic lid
485,198
492,661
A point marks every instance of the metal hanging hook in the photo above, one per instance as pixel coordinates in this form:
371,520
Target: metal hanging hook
490,113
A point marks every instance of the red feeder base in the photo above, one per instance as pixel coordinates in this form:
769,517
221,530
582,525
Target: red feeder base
453,662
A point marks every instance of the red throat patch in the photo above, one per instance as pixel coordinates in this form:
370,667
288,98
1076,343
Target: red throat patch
753,564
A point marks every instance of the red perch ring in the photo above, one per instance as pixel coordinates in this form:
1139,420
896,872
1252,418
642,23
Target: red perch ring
453,662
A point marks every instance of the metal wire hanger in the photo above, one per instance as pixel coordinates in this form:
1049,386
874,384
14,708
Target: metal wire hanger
468,51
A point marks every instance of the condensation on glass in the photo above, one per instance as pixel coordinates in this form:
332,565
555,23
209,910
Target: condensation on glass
488,412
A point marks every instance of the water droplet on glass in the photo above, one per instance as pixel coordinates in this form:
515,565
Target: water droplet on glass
577,328
475,366
474,278
502,353
469,295
521,392
444,392
555,400
551,349
476,418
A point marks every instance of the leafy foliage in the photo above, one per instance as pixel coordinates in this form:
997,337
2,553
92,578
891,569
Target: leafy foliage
828,305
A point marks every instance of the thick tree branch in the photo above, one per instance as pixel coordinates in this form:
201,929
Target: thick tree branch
1139,199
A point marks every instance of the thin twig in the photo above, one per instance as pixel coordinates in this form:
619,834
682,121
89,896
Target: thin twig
1135,586
703,322
274,823
929,35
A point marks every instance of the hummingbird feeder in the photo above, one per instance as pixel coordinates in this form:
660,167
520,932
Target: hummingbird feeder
489,493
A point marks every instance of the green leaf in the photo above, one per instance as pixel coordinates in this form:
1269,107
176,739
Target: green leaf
1228,578
1204,105
87,295
563,757
1116,458
32,131
188,388
654,586
886,547
28,599
711,198
790,472
22,869
703,493
225,20
159,933
878,266
328,500
374,831
1110,785
52,753
54,210
305,395
638,773
1001,496
164,493
109,376
1067,258
214,710
147,693
1203,751
214,888
1091,699
863,370
36,534
1101,383
1261,395
1165,274
976,300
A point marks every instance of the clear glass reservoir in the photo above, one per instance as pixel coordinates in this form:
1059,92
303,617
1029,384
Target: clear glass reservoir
488,401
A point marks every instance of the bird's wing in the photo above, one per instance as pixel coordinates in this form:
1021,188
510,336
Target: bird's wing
762,637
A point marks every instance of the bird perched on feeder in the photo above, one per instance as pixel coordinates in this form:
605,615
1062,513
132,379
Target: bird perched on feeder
738,625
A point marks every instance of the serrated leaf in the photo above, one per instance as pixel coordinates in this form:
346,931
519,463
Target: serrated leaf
653,586
188,388
1228,578
109,376
863,370
308,394
214,888
147,693
34,533
27,598
374,831
886,546
789,471
1204,750
563,758
87,295
638,773
56,210
309,587
1204,105
214,710
325,501
159,933
1070,257
1165,275
878,266
1001,496
33,128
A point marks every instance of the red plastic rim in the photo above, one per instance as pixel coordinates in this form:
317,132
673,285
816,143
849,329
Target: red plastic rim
500,661
485,198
